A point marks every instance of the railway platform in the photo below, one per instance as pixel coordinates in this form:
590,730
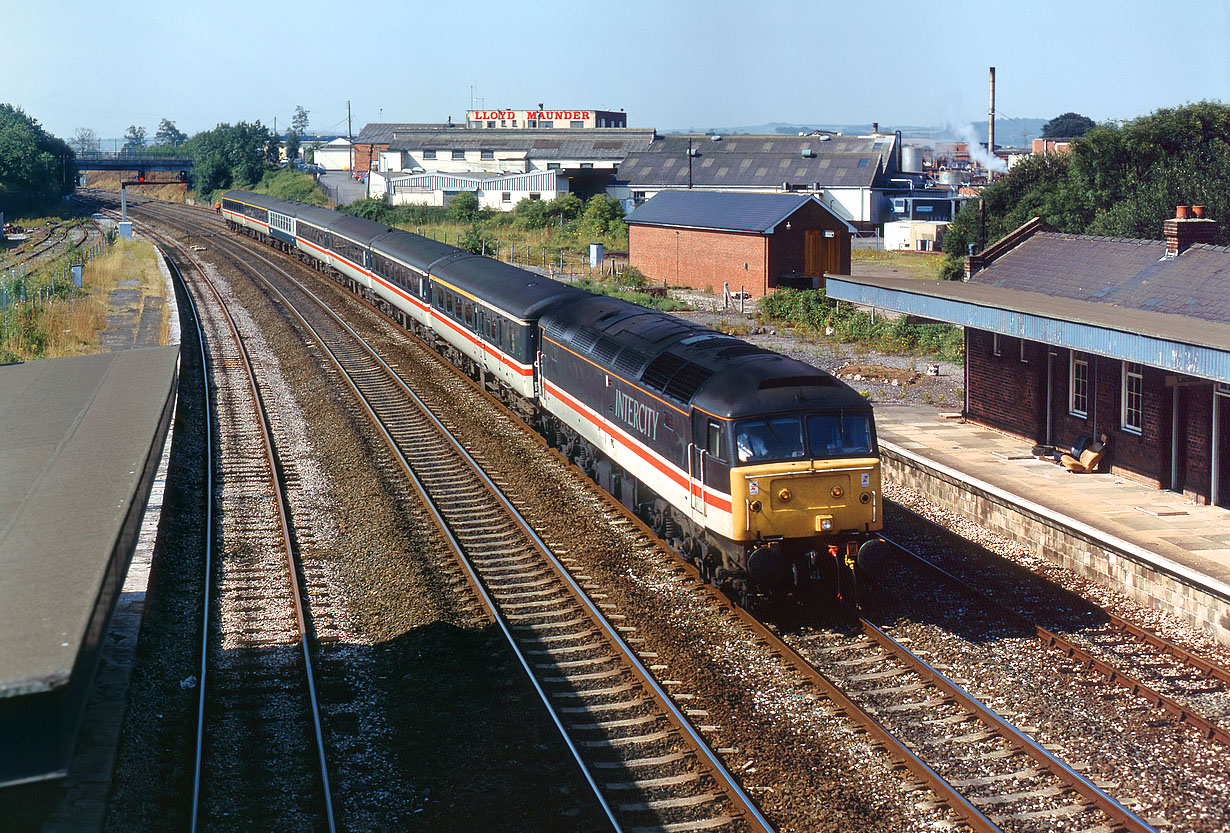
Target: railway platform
1157,547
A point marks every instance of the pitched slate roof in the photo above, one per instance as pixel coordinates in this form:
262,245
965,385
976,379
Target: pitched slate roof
1129,274
761,161
381,133
599,143
758,213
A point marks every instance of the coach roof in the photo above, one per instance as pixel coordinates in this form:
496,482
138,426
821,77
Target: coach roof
515,291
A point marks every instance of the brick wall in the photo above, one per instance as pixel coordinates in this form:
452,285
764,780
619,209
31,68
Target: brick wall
1120,568
699,259
1010,396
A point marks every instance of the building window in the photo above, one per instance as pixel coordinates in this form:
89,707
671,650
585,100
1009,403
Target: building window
535,196
546,124
491,124
638,197
1132,404
514,122
1078,386
995,348
576,124
486,154
1023,356
531,123
503,123
505,196
459,154
862,163
587,164
552,166
429,154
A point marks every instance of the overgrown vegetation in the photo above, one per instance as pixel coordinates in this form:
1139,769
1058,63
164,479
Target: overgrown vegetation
564,224
1119,180
812,311
48,316
289,184
632,285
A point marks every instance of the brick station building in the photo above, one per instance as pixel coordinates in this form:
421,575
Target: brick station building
739,241
1070,336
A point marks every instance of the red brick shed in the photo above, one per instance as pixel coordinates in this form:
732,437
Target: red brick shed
750,242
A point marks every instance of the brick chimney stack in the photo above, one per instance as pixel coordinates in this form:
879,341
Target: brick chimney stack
1182,231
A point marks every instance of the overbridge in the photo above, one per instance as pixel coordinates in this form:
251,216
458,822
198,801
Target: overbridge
129,161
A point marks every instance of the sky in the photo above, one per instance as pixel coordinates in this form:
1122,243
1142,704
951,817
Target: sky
671,64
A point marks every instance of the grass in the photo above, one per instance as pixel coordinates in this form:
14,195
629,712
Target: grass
71,322
923,265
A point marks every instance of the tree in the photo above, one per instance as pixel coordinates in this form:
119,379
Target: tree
464,207
33,161
85,140
292,146
1067,126
169,134
299,121
530,214
567,206
602,213
228,156
135,138
273,150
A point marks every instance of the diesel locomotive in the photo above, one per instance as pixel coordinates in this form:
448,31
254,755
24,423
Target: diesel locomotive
760,469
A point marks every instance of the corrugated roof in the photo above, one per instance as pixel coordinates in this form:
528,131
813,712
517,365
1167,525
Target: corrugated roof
598,143
758,162
757,213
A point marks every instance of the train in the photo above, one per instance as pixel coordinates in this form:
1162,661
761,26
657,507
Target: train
759,469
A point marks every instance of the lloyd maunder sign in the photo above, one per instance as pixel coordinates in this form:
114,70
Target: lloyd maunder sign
541,115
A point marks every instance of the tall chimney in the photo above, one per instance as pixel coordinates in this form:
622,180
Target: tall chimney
991,117
1182,231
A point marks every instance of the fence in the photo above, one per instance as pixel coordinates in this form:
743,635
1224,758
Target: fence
558,265
27,288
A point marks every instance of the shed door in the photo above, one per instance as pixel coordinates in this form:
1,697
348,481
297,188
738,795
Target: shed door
823,254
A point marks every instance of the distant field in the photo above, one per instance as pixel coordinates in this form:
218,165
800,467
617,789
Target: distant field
924,265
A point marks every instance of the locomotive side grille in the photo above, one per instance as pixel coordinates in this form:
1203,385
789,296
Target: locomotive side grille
584,340
742,349
687,381
605,349
661,369
629,362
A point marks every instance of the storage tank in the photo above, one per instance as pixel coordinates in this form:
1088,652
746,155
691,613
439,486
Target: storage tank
911,159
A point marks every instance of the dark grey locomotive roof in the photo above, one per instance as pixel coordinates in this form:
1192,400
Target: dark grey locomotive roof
520,293
690,364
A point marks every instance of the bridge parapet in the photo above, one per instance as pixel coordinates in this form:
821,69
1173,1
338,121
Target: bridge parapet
128,161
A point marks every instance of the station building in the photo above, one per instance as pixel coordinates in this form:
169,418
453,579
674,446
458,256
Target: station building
750,243
1069,336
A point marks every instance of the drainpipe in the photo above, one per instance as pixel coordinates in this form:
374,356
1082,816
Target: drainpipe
967,371
1174,438
1050,390
1215,469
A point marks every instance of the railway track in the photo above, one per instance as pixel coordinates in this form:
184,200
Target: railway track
259,751
1165,674
649,768
1047,800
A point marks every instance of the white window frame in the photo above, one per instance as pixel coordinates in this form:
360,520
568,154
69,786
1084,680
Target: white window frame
1023,357
1133,375
1073,393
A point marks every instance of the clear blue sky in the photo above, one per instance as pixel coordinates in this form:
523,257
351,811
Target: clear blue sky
689,63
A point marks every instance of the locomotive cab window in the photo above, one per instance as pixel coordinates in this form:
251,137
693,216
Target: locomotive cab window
839,435
780,438
713,440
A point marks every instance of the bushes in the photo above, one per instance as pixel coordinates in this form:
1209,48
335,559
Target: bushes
812,310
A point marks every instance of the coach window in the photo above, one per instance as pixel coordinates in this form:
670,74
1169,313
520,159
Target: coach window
469,315
448,302
1078,385
1133,397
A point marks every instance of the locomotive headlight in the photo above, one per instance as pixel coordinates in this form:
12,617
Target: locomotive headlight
865,497
784,495
838,491
826,523
754,506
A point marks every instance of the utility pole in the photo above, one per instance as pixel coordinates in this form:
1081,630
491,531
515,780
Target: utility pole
349,137
689,166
